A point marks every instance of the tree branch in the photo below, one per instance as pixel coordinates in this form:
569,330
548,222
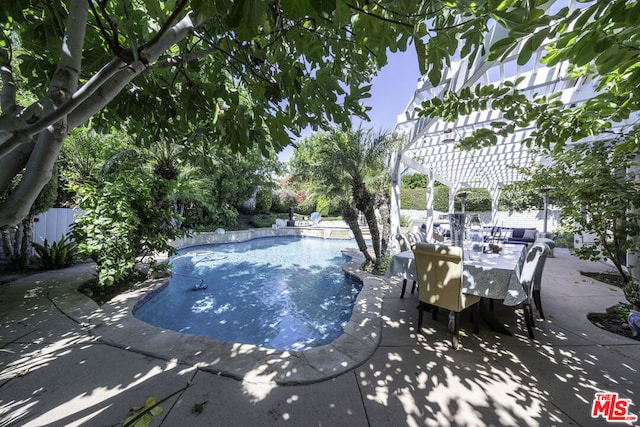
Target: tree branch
167,25
382,18
8,97
109,88
64,109
106,84
112,42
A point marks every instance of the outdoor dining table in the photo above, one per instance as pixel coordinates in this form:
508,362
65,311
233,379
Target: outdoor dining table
488,275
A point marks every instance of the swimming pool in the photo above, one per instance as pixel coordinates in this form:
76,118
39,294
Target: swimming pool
284,293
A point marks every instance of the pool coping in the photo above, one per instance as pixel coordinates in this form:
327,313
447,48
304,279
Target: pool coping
113,323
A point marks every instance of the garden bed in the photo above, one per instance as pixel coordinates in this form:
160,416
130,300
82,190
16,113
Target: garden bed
614,319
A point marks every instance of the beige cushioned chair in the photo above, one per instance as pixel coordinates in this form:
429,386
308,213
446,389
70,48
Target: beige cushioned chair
439,269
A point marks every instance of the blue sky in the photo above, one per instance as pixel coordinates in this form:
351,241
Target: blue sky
391,91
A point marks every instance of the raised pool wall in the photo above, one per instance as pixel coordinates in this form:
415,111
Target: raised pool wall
257,233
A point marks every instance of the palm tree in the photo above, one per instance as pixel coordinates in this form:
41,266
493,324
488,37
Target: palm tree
352,165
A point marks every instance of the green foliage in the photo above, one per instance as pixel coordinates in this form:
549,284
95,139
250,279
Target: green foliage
563,239
632,293
416,180
591,179
440,198
202,217
238,74
417,198
124,223
599,40
47,197
263,200
308,205
405,221
478,200
143,416
263,220
520,196
414,199
60,254
283,199
85,151
350,168
323,205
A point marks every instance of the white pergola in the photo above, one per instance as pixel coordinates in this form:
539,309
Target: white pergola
432,142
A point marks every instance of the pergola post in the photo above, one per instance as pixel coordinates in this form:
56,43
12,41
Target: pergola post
463,197
395,196
430,200
452,198
495,197
544,192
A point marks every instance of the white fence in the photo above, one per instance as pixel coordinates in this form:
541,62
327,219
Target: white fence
53,224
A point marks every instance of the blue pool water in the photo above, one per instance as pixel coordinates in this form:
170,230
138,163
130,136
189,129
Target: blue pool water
285,293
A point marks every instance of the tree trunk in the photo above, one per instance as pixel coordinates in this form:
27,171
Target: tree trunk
633,256
382,202
16,247
365,202
350,216
27,237
7,245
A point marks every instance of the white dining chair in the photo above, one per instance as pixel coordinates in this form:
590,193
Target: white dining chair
406,243
533,265
537,278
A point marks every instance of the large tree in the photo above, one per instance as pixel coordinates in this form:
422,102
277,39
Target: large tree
596,192
241,72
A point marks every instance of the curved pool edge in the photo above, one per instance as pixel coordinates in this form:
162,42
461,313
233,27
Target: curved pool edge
114,324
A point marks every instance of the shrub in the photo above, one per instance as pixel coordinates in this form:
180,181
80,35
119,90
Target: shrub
263,220
263,200
323,205
416,198
283,199
60,254
478,200
124,223
416,180
564,240
307,206
412,198
205,218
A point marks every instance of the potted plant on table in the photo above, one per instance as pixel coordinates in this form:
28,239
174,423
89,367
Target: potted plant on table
632,293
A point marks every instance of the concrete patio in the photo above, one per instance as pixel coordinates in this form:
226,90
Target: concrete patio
60,373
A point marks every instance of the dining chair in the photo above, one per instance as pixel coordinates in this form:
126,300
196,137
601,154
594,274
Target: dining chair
405,245
533,264
418,237
404,242
537,281
439,269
